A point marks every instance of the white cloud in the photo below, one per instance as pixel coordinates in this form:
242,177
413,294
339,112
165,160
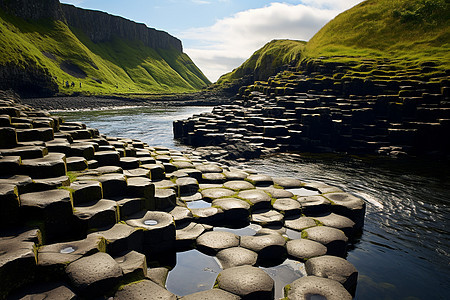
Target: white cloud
230,41
332,4
201,2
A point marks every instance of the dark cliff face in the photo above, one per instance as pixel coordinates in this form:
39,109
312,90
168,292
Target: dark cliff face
33,9
101,27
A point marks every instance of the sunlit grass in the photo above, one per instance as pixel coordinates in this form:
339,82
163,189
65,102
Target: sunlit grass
114,67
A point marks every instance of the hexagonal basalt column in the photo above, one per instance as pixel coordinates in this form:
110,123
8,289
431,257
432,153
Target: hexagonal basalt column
335,268
100,214
50,166
334,239
247,282
258,198
303,249
213,241
94,275
86,191
120,238
9,204
235,210
16,255
159,230
53,208
236,256
52,259
322,288
270,247
144,289
348,205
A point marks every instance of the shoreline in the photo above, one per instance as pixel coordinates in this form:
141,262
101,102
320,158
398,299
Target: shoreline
59,103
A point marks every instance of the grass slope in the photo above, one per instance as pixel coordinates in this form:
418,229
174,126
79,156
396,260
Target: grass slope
114,67
413,31
267,61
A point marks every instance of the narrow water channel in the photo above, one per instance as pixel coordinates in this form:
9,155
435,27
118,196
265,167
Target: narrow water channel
404,250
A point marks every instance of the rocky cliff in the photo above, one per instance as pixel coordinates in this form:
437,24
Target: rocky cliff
49,47
101,27
33,9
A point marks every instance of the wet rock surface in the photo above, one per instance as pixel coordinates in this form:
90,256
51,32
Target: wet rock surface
120,220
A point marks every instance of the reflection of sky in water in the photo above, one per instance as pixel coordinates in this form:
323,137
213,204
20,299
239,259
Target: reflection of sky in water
194,272
198,204
284,274
152,125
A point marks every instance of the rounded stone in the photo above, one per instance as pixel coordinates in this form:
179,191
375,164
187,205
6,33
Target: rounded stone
247,281
314,204
287,205
214,241
95,274
256,197
308,286
195,197
208,215
260,180
278,193
143,290
165,184
236,256
239,185
334,239
235,174
348,205
165,198
190,232
187,185
231,203
180,214
337,221
213,178
287,182
138,172
335,268
261,241
300,224
215,193
304,249
267,217
213,294
151,220
209,168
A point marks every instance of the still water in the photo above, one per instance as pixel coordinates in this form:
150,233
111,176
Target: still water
404,250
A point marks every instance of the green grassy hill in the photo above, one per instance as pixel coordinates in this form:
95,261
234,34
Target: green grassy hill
413,31
119,66
404,36
266,62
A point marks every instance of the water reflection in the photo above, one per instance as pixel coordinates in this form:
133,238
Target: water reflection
194,272
152,124
284,274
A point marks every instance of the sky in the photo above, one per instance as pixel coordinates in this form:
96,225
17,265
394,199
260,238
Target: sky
219,35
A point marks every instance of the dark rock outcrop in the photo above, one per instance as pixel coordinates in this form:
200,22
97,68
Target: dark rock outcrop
33,10
102,27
